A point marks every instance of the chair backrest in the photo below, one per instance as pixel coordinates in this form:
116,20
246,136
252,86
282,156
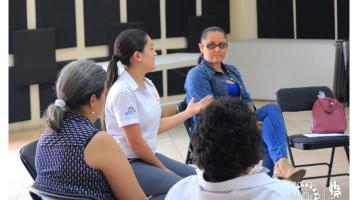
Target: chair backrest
27,156
187,123
299,99
98,124
47,194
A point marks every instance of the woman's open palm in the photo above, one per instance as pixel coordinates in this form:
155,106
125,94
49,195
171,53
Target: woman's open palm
195,108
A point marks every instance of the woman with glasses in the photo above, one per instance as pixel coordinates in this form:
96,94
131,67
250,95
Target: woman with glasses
212,77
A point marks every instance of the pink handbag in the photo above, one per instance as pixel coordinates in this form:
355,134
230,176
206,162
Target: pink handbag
328,116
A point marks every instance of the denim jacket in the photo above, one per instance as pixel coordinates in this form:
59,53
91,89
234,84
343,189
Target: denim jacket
203,80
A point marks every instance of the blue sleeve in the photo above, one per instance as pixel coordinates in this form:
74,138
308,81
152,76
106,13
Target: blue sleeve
197,85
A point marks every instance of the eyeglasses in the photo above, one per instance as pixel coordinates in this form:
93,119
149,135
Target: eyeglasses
221,45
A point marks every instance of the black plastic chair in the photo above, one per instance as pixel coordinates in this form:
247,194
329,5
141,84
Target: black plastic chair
27,156
28,152
47,194
302,99
187,124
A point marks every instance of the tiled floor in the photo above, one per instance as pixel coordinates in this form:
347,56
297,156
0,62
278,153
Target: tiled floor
174,144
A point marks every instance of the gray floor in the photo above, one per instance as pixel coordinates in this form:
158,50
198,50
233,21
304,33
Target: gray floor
174,144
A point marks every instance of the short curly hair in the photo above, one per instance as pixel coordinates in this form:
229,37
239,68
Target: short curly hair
228,141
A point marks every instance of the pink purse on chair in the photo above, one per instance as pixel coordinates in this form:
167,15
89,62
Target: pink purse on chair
328,116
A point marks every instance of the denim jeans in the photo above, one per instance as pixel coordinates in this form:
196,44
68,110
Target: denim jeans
273,135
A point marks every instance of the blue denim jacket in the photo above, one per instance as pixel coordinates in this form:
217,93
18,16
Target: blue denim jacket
203,80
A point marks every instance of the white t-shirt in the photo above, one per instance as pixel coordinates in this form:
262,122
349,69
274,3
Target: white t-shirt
257,186
127,104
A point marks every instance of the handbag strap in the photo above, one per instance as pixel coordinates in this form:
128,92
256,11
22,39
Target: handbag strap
328,104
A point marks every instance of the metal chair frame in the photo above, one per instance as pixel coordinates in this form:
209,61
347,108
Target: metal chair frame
302,100
187,124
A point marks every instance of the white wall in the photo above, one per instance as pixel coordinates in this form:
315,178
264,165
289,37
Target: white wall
267,65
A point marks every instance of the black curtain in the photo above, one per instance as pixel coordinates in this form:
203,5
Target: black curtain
341,75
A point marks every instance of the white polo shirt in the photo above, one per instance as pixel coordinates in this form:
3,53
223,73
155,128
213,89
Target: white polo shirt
127,104
257,186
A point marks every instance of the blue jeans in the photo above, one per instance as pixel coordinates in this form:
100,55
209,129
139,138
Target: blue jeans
273,135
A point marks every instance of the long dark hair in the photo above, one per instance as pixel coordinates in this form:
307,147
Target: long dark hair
205,32
127,42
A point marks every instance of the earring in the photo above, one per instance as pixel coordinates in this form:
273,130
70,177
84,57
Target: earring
140,59
92,112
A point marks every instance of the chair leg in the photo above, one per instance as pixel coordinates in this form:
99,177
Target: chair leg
191,158
290,151
187,160
346,148
189,155
330,167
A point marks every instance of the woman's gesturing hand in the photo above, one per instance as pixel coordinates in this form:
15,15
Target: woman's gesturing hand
195,108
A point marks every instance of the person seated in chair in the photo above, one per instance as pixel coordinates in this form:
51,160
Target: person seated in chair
212,77
133,113
74,156
227,147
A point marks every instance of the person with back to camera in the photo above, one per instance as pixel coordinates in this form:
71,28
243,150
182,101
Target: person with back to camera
212,77
227,146
133,113
74,156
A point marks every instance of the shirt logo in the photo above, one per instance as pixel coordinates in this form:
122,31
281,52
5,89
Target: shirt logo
130,111
230,81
